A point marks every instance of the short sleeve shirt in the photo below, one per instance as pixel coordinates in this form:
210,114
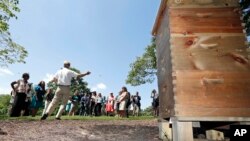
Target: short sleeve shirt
64,76
22,87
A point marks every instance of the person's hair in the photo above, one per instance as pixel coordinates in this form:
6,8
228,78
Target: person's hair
66,64
154,91
125,89
41,82
25,75
42,86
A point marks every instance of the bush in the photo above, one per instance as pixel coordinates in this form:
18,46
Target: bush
147,111
4,104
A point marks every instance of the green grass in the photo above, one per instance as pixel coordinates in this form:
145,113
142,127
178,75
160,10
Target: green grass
29,118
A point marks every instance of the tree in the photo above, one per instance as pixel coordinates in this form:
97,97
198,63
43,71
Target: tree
10,52
244,5
79,84
76,84
143,70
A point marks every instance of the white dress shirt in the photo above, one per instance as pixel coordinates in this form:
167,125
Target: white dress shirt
64,76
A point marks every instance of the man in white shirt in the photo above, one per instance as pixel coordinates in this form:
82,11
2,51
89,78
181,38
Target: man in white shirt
63,79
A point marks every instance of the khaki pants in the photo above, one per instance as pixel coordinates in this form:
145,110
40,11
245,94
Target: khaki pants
46,105
136,110
61,95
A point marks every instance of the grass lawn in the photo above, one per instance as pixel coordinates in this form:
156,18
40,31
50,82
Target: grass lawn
3,117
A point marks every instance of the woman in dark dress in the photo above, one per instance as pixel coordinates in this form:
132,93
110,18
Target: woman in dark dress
37,99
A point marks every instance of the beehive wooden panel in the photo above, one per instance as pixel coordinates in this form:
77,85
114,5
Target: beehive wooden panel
164,69
203,63
206,59
202,3
231,12
195,112
206,20
207,89
210,52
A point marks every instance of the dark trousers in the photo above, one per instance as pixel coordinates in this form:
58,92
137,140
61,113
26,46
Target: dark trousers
92,108
98,109
18,105
127,110
117,107
84,111
26,108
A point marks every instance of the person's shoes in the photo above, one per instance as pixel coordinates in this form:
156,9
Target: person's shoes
44,117
58,118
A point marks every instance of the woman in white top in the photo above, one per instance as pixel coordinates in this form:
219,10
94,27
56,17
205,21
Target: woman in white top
123,101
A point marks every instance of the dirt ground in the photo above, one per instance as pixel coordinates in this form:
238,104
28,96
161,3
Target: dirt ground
79,130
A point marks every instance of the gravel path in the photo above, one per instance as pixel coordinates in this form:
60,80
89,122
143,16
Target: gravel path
77,130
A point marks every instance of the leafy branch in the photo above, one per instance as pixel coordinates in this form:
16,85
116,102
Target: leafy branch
143,70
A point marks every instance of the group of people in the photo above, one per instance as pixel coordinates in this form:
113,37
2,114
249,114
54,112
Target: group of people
27,99
93,104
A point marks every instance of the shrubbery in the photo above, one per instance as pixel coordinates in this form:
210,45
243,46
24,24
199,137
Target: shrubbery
4,104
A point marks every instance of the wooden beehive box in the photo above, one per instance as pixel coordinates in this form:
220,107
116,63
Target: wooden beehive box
203,60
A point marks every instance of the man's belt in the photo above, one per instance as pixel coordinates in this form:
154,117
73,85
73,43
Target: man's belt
63,85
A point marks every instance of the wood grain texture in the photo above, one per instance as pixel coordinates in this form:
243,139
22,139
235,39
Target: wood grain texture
164,68
202,3
190,53
205,20
189,111
203,61
209,13
182,131
211,118
233,92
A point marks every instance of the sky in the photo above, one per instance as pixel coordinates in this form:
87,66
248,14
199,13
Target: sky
103,37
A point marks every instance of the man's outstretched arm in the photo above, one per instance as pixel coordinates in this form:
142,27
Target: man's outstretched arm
83,74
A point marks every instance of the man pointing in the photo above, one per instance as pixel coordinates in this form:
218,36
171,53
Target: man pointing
63,79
